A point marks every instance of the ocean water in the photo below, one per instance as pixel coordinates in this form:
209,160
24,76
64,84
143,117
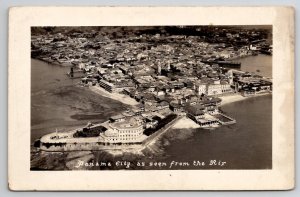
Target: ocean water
57,102
244,145
260,64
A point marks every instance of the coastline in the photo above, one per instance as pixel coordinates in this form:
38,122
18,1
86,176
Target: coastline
185,123
115,96
132,102
231,99
99,90
237,97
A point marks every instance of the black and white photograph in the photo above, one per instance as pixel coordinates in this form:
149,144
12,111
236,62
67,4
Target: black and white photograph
151,97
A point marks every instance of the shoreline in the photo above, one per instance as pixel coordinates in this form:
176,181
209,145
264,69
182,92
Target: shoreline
231,99
132,102
185,123
115,96
236,98
54,62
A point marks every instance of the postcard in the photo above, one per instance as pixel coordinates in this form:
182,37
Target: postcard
151,98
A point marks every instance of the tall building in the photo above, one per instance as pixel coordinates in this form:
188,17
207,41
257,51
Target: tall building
230,76
168,65
159,69
201,89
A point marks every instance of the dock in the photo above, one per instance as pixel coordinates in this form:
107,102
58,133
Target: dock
72,72
224,119
228,64
160,132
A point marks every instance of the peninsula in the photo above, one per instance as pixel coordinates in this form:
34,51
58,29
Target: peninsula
165,79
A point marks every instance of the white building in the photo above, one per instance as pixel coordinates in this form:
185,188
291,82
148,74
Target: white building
201,89
226,88
128,131
214,89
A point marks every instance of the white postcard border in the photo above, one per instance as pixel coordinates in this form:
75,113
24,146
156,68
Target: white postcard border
281,176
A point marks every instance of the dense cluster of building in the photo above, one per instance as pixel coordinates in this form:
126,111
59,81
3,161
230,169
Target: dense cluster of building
166,73
169,45
251,84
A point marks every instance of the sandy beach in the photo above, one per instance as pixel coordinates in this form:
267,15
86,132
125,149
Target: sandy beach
237,97
115,96
232,98
185,123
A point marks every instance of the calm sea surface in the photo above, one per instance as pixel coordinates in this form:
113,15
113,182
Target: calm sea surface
260,64
57,102
244,145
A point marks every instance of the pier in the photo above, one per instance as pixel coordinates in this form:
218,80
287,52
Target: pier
72,72
160,132
224,119
228,64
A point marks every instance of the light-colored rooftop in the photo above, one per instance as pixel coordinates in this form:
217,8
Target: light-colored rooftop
128,123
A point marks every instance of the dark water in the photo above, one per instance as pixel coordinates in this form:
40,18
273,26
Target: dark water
260,64
57,102
244,145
